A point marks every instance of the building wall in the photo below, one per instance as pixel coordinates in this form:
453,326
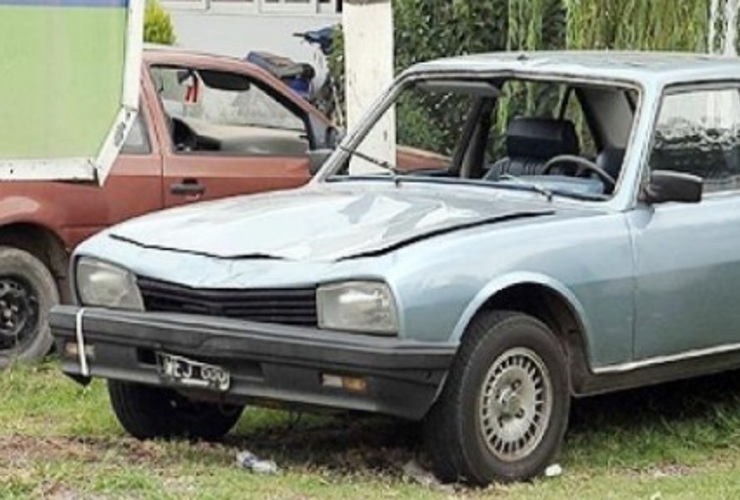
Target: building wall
236,32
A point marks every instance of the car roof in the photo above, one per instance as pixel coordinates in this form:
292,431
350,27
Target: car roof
155,50
661,68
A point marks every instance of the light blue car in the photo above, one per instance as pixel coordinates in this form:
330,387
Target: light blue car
556,225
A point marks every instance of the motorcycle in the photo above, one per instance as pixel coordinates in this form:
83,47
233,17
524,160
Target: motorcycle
301,77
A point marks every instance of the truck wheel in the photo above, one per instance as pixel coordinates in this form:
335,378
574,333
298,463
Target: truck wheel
27,293
148,412
504,408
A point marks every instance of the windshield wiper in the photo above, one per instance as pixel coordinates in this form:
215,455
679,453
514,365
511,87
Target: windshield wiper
533,186
385,165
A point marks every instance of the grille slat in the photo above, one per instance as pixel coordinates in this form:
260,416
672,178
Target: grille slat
248,311
289,306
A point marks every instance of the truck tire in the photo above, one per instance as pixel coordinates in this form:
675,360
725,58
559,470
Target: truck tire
503,411
27,293
148,412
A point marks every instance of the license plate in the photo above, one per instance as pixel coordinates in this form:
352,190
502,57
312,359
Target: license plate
183,371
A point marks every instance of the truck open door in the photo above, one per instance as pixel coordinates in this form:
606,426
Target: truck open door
69,86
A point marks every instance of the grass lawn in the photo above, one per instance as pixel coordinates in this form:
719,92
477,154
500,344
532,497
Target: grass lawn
58,440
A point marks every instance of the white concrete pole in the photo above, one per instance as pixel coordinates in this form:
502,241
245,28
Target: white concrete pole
368,45
712,37
731,8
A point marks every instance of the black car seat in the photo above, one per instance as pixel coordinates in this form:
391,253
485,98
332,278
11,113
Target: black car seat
531,142
610,160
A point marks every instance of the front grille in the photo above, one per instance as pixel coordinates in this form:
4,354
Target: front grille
287,306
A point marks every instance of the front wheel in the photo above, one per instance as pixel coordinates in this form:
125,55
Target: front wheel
148,412
504,408
27,293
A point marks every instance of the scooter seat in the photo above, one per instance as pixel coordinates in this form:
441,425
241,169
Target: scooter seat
281,67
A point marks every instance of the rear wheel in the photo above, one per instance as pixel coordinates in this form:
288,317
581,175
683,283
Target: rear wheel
148,412
504,408
27,293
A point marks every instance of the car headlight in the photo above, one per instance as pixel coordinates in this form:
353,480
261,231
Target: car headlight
105,285
361,306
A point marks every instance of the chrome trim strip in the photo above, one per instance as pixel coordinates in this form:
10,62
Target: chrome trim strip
645,363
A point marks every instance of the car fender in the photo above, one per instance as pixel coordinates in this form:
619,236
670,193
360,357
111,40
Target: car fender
27,210
501,283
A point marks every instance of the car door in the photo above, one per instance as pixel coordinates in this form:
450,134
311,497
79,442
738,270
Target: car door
230,133
687,256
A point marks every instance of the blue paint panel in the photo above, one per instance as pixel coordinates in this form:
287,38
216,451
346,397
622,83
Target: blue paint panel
67,3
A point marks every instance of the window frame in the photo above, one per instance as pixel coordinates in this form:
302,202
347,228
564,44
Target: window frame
684,88
627,191
146,149
301,114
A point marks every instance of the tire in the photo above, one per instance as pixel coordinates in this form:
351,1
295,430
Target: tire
27,293
148,412
505,361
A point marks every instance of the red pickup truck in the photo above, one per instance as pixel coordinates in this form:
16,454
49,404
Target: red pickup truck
209,127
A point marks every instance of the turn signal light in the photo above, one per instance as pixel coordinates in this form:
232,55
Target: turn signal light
72,350
353,384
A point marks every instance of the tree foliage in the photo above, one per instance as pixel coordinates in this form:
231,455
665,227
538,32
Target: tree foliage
158,26
425,120
429,29
638,24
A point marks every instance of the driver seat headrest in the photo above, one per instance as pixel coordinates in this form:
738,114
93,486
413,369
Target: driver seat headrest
541,138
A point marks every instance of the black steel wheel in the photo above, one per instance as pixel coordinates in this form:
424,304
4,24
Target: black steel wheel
27,293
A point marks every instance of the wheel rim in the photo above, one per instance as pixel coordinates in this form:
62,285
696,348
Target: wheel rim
19,312
515,404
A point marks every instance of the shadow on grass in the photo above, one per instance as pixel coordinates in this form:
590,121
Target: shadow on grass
679,422
670,402
340,442
668,423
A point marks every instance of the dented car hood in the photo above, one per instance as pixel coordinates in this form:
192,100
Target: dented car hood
320,224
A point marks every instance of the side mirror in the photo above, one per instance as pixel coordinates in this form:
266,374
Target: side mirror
317,158
666,185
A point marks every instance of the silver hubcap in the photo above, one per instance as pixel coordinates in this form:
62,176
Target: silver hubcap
515,404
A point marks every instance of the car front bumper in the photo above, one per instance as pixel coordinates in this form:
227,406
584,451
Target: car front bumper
268,363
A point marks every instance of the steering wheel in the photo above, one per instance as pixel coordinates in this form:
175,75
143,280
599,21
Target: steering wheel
583,164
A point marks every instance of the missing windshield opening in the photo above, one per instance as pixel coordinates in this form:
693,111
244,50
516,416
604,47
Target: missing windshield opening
501,131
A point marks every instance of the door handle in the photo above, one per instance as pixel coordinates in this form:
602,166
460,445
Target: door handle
187,187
